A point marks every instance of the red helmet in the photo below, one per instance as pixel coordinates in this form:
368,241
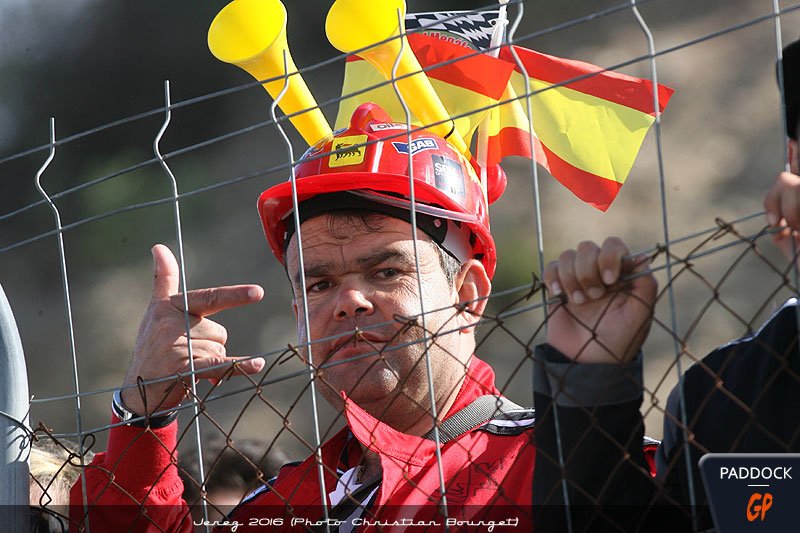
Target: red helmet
368,164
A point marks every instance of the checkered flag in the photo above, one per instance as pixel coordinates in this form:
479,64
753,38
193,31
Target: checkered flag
469,27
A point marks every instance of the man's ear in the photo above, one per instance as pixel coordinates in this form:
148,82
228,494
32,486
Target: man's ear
473,288
794,156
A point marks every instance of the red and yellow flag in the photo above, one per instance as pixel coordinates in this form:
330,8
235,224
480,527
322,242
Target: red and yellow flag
453,70
588,123
587,132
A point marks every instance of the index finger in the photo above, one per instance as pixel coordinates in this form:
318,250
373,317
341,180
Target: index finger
206,302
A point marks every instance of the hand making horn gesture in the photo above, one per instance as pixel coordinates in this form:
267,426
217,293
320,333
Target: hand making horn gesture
162,346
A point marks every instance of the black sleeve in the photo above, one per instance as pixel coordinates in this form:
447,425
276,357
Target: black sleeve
670,457
593,410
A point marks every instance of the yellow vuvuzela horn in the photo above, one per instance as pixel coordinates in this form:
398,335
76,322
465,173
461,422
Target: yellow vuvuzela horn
355,24
251,34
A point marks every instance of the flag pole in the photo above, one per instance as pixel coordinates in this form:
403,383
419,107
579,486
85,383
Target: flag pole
483,129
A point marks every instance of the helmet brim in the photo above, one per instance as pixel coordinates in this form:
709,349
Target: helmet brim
276,204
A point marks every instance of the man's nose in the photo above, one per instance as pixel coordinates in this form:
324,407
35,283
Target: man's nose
353,301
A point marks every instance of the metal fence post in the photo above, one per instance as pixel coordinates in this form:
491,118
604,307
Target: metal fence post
15,444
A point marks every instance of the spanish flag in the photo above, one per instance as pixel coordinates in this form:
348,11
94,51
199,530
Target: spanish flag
588,123
587,132
453,71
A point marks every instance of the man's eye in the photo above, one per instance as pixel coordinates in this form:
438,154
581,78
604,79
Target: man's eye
319,286
388,273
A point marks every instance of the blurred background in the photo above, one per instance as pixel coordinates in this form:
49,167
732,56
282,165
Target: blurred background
90,63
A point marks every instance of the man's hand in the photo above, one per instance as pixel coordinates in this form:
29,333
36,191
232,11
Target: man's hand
162,347
605,320
782,204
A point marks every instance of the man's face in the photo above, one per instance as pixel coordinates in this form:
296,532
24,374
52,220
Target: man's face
356,278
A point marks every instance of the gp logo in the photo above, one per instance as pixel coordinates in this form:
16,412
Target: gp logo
752,492
758,505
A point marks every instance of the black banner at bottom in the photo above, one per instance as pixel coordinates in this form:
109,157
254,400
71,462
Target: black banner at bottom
495,519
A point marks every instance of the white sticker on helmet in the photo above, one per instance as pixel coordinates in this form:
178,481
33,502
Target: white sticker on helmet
383,126
449,177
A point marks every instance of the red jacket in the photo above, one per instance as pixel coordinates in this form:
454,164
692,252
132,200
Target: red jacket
487,472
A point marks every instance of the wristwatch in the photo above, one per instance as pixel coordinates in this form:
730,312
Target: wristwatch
125,415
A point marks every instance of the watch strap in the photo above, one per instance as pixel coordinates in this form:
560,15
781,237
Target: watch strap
136,420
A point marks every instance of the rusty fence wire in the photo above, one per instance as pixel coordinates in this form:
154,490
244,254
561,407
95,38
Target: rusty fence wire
720,278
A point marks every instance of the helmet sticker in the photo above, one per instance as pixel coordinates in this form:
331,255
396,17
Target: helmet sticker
382,126
417,145
449,177
349,151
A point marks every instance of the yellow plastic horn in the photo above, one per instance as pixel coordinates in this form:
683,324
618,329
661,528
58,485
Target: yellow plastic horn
251,34
355,24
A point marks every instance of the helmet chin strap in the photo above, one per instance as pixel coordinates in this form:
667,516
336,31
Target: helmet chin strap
457,241
437,212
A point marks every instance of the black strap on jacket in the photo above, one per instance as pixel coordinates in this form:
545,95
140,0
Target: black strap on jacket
477,413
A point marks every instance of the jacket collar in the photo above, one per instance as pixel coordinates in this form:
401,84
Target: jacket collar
382,438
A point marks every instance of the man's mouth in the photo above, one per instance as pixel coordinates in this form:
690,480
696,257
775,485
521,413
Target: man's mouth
357,343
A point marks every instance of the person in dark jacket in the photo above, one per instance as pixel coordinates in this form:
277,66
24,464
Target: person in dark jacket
742,397
745,395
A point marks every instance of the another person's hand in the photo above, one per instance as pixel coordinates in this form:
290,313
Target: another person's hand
782,204
604,319
162,347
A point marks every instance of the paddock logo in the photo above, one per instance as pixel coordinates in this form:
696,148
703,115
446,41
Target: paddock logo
752,492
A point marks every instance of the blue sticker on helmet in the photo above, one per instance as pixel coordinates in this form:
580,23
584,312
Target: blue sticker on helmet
417,145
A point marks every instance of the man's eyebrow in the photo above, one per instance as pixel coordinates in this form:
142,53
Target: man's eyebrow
320,270
377,258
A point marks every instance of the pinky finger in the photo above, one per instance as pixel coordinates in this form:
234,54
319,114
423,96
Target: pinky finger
216,368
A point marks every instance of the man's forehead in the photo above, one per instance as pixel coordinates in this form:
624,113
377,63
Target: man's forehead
373,219
344,227
373,230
